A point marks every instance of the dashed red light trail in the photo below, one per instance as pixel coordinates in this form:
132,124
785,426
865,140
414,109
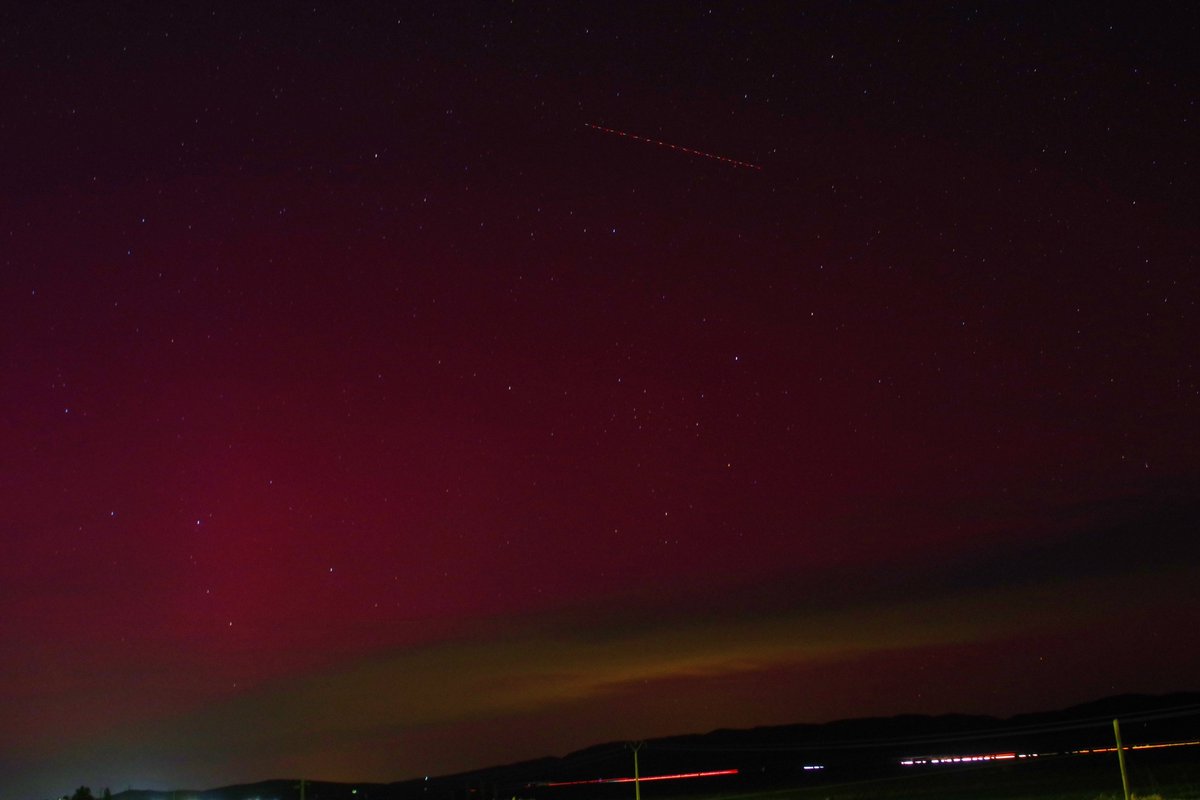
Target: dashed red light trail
690,151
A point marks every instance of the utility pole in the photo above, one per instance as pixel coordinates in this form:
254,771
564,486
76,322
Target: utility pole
1121,758
637,780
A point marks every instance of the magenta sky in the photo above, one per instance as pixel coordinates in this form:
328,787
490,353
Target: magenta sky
364,414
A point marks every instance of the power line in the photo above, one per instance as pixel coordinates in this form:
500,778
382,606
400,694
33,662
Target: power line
986,733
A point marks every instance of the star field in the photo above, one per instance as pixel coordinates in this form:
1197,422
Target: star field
362,395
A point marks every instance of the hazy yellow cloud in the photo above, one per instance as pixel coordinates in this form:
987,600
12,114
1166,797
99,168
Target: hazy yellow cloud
531,670
495,679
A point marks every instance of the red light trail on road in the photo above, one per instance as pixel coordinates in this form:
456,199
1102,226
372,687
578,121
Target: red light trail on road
690,151
910,762
677,776
1153,746
921,761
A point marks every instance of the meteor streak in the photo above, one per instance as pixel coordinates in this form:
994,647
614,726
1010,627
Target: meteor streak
688,150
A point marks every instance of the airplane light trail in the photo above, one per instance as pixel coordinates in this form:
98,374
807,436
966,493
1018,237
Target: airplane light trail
688,150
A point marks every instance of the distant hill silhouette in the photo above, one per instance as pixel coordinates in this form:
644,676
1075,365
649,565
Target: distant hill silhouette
764,757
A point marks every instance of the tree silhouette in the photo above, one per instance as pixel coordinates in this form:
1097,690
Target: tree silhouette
82,793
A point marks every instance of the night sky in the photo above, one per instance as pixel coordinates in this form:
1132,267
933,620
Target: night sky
365,413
